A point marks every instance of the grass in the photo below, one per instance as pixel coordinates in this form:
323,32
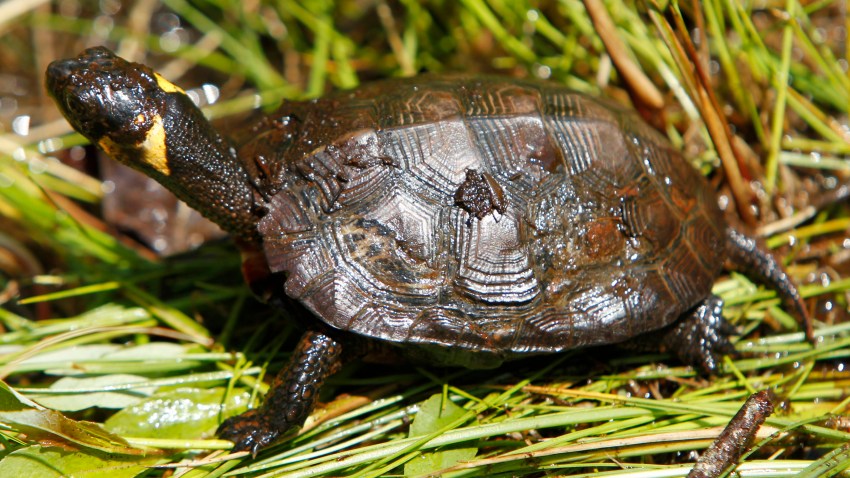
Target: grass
104,335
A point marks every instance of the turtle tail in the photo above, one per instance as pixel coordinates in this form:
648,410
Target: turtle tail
749,256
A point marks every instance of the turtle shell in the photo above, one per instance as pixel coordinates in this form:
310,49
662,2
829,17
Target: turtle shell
480,219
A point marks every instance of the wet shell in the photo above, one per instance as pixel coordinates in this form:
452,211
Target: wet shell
482,218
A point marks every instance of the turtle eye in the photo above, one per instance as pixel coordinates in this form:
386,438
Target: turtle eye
75,107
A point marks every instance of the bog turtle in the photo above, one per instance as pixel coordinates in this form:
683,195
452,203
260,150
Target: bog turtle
463,221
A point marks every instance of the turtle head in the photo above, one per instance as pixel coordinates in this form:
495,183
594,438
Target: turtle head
140,119
110,100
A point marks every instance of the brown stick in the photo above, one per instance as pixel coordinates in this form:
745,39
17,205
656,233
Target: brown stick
736,438
637,81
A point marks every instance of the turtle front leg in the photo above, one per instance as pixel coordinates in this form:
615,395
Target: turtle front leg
701,337
292,396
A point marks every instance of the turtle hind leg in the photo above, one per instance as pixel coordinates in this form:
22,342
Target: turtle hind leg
291,398
750,257
700,337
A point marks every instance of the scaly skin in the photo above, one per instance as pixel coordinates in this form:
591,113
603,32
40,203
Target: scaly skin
293,394
701,337
748,256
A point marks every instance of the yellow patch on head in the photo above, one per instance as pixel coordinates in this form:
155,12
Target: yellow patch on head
166,85
111,148
153,147
150,152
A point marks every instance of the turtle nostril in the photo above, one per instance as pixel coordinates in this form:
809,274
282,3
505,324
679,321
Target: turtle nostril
59,69
58,76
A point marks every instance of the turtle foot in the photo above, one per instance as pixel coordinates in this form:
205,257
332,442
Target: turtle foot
250,431
701,337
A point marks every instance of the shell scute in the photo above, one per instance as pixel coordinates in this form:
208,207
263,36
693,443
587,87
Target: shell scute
495,266
438,155
414,105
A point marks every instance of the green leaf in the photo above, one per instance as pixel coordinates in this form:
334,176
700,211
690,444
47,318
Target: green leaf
50,425
183,413
48,462
10,400
158,350
69,356
25,416
434,414
70,402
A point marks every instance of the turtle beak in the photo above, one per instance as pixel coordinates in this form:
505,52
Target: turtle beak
62,72
58,73
58,69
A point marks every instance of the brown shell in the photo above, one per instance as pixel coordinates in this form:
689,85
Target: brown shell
482,215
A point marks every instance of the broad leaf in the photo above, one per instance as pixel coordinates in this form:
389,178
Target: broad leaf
49,462
434,414
71,402
182,413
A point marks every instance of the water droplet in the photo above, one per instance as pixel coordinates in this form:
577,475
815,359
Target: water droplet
170,41
543,72
166,21
211,93
195,97
108,187
696,34
77,153
21,125
37,166
159,214
159,244
102,25
50,145
195,240
713,67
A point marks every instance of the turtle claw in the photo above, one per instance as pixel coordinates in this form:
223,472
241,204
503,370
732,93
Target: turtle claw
248,432
701,338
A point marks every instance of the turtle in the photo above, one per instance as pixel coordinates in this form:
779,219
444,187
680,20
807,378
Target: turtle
458,220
